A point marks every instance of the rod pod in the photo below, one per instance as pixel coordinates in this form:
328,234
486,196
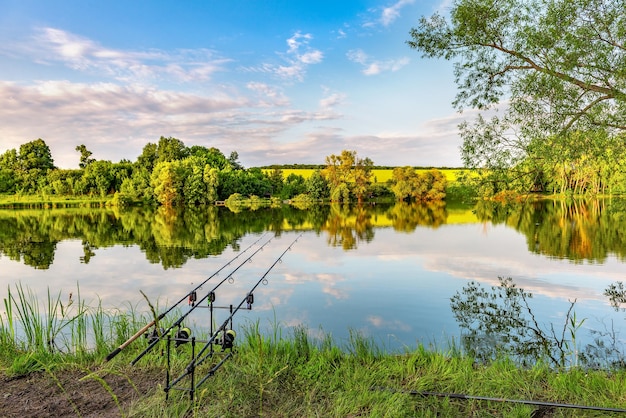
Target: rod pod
139,333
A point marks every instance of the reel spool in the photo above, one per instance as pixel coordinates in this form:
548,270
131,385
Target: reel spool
182,336
154,335
226,339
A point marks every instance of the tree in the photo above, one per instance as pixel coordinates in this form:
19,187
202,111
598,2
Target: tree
425,187
8,167
33,162
171,149
211,156
211,181
148,157
99,176
347,173
84,156
362,177
317,186
277,181
233,161
402,179
167,183
560,64
294,185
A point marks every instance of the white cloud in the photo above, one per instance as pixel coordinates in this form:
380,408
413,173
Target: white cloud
391,13
374,67
298,57
51,46
332,100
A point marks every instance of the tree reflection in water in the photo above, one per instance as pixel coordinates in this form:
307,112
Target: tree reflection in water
500,321
588,230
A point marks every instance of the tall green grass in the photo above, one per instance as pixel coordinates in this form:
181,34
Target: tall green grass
33,331
278,373
298,375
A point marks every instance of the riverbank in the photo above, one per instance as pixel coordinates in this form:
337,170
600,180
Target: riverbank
296,376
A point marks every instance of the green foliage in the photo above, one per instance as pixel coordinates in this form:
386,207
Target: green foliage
317,186
84,156
559,66
167,180
500,322
170,149
293,185
422,187
348,174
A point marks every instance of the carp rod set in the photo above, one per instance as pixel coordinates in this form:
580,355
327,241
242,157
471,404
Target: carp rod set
223,336
188,296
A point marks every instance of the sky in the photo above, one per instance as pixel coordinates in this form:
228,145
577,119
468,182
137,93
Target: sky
279,82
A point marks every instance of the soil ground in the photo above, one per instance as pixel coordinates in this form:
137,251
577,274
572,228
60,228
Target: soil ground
74,393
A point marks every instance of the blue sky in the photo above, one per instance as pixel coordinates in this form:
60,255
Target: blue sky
277,81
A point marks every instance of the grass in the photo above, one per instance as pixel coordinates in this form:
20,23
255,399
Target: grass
39,201
286,373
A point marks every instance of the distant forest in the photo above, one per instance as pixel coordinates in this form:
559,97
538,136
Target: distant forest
171,174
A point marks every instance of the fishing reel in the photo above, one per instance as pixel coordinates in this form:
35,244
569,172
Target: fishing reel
182,336
226,339
154,335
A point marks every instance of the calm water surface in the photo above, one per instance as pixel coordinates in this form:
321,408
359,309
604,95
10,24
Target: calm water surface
387,272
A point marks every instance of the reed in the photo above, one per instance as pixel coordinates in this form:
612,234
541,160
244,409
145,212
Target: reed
36,333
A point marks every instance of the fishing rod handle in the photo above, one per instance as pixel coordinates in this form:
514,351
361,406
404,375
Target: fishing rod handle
130,340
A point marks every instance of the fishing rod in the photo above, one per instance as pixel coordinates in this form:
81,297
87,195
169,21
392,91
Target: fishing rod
505,400
210,295
248,299
187,296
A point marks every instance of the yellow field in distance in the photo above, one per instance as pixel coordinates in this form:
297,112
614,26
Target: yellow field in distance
378,175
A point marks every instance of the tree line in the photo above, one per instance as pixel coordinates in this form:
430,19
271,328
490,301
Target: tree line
169,173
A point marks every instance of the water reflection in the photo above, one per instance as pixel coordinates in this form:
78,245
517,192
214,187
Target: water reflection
387,271
501,321
575,230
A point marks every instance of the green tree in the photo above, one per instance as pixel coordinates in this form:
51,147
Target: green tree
167,183
194,187
317,186
138,186
8,168
211,181
233,161
559,64
33,163
171,149
277,181
148,157
294,185
99,177
211,156
347,173
84,156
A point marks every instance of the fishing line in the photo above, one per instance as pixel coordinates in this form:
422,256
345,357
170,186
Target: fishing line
210,296
188,296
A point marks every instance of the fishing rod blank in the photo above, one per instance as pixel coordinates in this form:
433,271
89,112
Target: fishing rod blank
198,303
222,329
187,296
490,399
